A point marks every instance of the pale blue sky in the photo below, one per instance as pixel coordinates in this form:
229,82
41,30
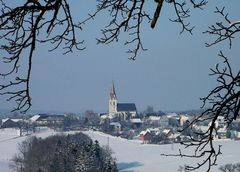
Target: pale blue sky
171,75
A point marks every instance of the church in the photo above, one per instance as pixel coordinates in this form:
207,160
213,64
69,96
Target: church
120,110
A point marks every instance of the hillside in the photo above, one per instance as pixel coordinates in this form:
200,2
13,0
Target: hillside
132,156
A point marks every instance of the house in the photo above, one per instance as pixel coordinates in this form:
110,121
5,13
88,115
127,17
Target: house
136,122
172,115
153,120
44,119
221,121
115,127
164,121
103,116
169,136
183,119
123,111
205,130
10,123
222,133
145,136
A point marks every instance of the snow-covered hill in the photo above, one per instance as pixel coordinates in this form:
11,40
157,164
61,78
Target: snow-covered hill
132,156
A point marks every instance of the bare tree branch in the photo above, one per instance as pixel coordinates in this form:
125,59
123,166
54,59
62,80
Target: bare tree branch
21,28
183,12
225,30
224,101
128,16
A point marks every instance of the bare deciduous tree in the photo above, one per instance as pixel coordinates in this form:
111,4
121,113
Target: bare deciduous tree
224,30
222,101
24,26
21,29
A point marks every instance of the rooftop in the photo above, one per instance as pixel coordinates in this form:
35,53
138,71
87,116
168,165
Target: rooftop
126,107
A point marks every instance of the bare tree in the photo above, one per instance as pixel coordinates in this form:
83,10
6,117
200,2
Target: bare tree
25,25
21,29
222,101
223,30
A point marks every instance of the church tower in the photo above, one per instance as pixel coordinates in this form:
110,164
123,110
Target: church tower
112,102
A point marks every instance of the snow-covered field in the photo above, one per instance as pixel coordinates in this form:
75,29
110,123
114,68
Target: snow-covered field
132,156
9,140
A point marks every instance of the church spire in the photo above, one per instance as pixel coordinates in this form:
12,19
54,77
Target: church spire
113,92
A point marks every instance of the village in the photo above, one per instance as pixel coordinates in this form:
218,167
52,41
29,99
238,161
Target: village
123,120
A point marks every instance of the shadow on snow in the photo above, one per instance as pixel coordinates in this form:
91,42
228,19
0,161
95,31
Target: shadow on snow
126,166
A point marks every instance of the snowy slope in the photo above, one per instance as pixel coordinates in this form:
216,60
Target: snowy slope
132,156
9,140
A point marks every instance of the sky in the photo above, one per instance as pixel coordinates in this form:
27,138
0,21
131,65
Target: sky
171,76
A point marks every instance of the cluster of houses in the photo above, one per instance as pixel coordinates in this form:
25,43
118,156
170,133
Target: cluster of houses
169,128
39,119
122,120
176,132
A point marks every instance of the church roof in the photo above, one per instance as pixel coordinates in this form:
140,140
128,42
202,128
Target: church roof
126,107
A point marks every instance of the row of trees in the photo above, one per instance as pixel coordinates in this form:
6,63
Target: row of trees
72,153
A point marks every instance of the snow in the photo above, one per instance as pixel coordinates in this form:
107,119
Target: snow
9,141
131,155
4,120
154,118
136,120
34,118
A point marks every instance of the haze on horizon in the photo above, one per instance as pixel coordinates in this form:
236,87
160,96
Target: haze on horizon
171,75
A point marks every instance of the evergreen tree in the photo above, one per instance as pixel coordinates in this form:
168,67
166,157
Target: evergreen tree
61,153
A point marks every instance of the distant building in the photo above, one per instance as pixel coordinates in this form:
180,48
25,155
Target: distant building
121,110
10,123
222,133
164,121
153,120
221,122
136,122
115,127
183,119
43,119
145,136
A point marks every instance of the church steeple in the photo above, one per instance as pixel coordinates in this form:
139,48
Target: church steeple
112,101
113,92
